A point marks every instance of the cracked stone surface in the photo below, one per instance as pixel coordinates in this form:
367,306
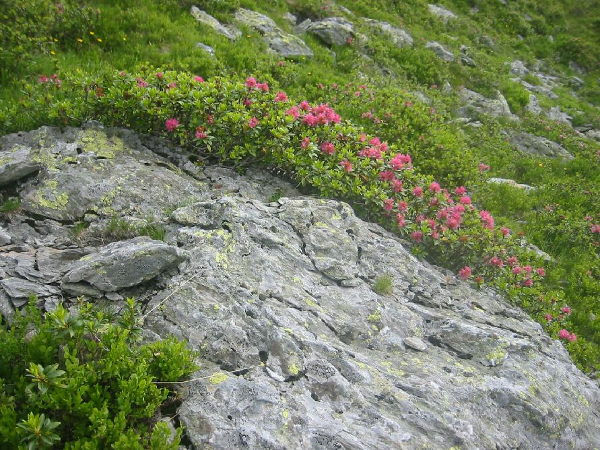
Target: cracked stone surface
297,349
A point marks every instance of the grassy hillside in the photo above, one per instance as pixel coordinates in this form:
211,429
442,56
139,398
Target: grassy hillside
406,96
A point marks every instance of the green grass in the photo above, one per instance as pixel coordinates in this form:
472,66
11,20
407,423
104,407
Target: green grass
163,34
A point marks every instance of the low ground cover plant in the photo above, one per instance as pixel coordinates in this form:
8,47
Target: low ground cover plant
83,380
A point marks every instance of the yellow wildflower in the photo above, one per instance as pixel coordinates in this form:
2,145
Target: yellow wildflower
99,40
79,40
91,33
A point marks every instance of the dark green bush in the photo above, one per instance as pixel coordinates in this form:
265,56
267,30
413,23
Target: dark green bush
84,381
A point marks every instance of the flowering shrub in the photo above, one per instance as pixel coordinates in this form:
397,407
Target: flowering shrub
84,381
243,122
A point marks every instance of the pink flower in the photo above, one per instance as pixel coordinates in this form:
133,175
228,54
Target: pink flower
517,270
465,272
483,167
460,190
487,219
251,82
563,334
388,204
122,73
402,206
210,119
434,188
159,75
346,165
199,79
171,124
305,142
527,269
200,134
328,147
572,337
350,40
281,63
386,175
505,231
595,228
454,222
466,200
417,191
399,161
495,261
566,310
548,317
263,87
141,82
541,272
528,283
401,221
293,111
281,97
43,79
417,236
248,102
253,122
397,185
512,261
172,85
304,105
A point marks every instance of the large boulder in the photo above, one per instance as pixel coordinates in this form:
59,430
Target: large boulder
298,349
441,13
442,52
205,19
17,162
538,146
399,37
475,104
333,30
280,42
120,265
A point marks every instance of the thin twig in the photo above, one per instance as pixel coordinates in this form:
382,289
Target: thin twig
202,378
177,289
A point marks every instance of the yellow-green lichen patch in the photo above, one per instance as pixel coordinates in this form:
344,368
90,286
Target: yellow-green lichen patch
48,197
293,369
498,355
97,142
217,378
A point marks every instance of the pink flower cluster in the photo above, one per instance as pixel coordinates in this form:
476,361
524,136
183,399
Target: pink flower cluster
43,79
564,334
251,83
171,124
319,115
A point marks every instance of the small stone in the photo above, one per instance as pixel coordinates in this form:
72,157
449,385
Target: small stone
442,13
206,19
16,164
441,51
207,48
415,343
5,238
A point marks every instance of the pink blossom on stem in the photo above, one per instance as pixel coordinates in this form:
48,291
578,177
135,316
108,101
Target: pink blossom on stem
397,185
466,200
201,133
251,82
328,147
417,236
171,124
465,272
566,310
402,206
563,334
346,165
434,187
305,142
487,219
199,79
417,191
253,122
401,221
460,190
505,231
541,271
483,167
388,204
281,97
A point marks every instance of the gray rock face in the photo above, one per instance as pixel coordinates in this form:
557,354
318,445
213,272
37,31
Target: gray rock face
533,106
16,162
475,104
121,265
207,48
298,351
441,51
511,183
333,30
441,12
593,134
518,68
399,37
229,31
538,146
282,43
558,116
465,58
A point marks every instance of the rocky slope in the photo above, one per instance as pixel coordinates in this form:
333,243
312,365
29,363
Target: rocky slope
278,293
